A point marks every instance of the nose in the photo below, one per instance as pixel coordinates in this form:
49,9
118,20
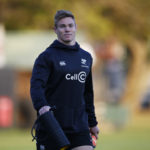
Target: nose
67,28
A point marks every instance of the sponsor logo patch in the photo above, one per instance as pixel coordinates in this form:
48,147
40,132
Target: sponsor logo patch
81,76
62,63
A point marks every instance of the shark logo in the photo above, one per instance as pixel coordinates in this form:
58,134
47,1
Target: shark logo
83,61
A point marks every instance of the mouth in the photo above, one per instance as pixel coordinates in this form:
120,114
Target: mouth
67,34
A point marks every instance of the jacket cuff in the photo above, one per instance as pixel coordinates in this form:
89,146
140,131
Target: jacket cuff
38,107
92,123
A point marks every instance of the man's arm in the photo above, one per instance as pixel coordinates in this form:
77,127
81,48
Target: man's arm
88,95
89,98
40,74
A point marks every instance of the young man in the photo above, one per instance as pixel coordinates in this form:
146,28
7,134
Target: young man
62,78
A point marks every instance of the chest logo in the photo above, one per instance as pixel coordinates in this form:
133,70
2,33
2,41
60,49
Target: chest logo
81,76
83,61
62,63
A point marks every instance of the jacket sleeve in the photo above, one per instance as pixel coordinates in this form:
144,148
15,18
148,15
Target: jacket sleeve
89,100
40,74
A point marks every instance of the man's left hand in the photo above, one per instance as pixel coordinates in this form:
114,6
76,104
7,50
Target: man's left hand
94,131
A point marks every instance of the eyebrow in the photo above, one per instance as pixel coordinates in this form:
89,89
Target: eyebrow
66,24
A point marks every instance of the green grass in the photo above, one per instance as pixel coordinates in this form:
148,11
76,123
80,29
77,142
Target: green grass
135,136
15,139
127,139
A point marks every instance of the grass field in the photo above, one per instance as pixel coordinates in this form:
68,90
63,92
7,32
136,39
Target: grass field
135,136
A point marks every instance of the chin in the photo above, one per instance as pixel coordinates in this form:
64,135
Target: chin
67,41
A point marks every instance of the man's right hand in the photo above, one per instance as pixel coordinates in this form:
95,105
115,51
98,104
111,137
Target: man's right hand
44,109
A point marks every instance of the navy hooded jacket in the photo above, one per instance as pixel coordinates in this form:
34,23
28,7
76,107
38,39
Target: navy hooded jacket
62,77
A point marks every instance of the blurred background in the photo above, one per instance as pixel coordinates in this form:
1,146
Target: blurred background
115,32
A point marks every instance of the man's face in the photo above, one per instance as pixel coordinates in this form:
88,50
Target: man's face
65,30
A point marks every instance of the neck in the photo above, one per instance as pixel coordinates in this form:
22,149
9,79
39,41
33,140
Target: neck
67,43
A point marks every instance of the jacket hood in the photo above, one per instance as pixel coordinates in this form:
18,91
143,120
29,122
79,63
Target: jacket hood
59,45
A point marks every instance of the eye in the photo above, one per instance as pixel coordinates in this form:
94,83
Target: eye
62,26
71,25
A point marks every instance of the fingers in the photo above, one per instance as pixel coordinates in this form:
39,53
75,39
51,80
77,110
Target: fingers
44,109
96,135
95,131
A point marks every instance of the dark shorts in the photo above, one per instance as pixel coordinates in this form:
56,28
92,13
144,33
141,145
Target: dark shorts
76,139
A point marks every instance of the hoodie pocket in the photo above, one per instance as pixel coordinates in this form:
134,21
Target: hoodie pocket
72,118
65,117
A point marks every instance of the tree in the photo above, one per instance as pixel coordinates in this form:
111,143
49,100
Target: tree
127,20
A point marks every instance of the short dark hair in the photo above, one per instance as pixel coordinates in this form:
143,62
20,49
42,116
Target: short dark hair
60,14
